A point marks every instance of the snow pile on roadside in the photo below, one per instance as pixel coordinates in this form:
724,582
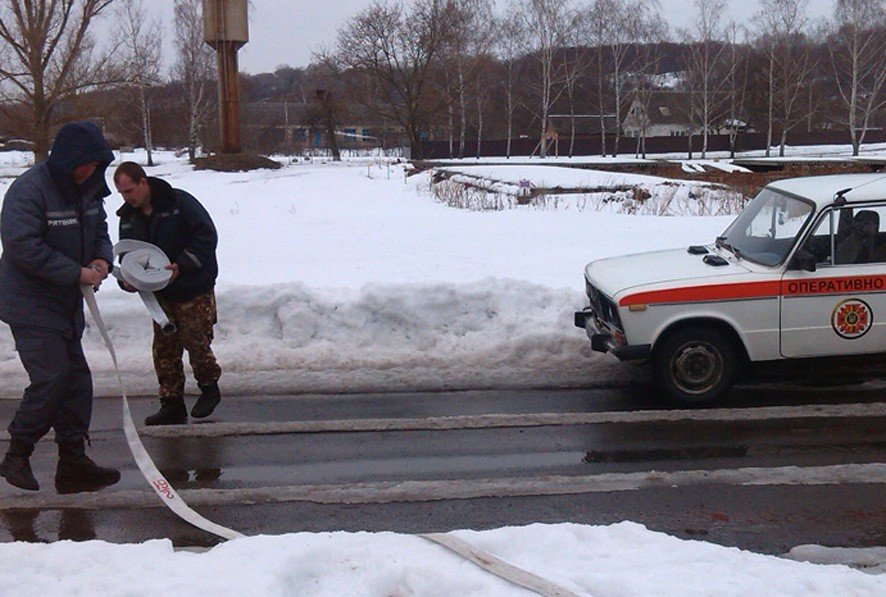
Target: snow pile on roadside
620,559
292,338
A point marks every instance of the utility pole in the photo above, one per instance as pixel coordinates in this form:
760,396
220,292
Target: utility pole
226,29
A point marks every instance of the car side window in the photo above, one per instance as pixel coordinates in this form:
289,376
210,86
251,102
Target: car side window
862,239
851,235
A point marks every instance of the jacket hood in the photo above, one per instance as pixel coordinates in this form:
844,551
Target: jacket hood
78,143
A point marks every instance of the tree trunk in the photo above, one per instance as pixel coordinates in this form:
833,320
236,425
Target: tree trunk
42,120
463,116
146,125
332,141
771,104
510,119
193,137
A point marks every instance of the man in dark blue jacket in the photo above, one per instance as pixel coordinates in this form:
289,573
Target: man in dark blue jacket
174,220
54,232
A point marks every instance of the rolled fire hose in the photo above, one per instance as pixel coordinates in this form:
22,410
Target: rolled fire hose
143,265
149,470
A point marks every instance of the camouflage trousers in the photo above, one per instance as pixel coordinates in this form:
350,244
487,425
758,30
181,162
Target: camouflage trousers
193,320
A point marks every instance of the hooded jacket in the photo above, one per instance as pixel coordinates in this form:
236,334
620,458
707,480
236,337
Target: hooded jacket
50,227
183,229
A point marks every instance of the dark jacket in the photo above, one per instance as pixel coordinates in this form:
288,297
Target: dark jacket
183,229
50,227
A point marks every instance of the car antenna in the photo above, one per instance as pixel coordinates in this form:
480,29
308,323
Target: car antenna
839,198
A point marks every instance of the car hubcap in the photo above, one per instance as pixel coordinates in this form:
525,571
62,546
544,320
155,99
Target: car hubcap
696,368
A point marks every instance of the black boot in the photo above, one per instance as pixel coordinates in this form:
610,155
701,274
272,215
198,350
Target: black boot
172,412
16,466
77,472
208,400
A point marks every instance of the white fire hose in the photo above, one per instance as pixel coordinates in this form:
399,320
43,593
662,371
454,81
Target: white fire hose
143,266
141,263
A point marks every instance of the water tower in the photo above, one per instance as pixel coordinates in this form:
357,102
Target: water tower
226,29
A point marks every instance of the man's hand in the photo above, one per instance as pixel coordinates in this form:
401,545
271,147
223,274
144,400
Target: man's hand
91,276
94,273
175,271
102,266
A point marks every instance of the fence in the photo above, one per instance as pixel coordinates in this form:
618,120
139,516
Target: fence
591,145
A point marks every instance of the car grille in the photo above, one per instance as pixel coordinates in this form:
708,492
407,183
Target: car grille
603,307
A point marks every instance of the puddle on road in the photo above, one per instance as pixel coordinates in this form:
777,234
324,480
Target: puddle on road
659,454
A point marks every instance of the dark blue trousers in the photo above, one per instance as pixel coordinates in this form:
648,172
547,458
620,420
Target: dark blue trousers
60,393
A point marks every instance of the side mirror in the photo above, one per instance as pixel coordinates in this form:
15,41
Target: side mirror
804,260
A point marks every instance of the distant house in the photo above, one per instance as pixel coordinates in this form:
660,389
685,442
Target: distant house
661,114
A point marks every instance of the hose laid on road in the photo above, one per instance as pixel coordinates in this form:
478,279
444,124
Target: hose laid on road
500,568
143,265
154,477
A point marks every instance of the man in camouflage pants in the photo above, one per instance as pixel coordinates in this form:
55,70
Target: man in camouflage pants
175,221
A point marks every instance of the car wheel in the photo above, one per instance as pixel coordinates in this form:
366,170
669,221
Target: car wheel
695,365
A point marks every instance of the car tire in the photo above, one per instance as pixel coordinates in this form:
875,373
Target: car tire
696,365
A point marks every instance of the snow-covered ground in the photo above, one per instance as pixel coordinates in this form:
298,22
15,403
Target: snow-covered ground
351,276
343,276
621,559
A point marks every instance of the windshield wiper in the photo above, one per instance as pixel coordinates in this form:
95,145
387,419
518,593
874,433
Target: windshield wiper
721,242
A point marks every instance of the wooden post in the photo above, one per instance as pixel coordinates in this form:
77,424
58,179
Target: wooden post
226,28
229,97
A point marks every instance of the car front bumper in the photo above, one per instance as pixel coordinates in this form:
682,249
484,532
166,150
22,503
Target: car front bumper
603,340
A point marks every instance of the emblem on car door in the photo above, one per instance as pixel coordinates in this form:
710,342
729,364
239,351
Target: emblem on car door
852,319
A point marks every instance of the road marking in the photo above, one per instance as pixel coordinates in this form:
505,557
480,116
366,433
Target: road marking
876,409
490,421
462,489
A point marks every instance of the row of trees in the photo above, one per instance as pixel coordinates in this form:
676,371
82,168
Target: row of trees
49,61
462,71
436,64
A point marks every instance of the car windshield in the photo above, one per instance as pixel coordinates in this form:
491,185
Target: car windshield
765,230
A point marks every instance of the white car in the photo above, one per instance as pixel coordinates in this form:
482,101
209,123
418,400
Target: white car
800,273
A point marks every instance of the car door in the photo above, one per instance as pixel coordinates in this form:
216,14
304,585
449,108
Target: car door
840,308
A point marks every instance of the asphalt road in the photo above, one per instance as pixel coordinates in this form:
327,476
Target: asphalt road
774,467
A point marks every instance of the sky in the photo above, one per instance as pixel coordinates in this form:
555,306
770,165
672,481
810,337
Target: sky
288,31
360,278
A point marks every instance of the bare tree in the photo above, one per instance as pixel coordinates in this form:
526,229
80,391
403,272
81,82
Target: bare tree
613,27
391,55
782,24
737,81
858,56
705,68
323,110
50,56
194,68
646,67
576,61
466,54
545,22
141,40
509,47
326,111
597,25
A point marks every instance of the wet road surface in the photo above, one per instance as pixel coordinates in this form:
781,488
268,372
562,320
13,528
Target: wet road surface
773,467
